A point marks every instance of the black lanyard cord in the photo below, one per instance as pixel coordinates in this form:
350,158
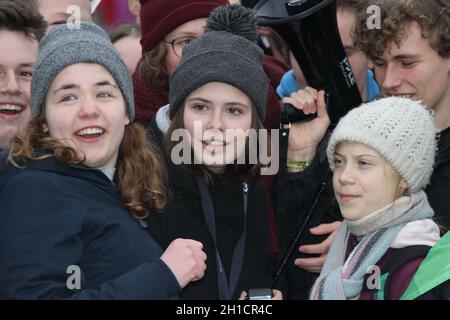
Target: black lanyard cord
226,288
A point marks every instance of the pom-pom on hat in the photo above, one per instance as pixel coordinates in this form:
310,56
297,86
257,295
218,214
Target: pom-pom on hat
399,129
227,52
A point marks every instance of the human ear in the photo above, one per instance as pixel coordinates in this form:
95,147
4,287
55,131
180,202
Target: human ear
403,186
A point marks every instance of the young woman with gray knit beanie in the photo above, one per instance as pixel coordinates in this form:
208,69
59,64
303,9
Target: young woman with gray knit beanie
167,27
217,95
80,183
382,156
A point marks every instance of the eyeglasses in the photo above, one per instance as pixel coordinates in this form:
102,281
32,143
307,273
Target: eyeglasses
179,44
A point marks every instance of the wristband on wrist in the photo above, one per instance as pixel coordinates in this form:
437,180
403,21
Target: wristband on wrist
301,165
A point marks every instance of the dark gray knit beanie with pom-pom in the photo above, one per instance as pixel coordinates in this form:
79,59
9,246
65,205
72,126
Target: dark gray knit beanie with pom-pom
227,52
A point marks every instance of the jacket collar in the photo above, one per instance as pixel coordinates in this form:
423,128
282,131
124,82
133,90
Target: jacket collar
78,171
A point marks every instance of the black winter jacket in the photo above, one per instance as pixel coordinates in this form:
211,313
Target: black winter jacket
183,217
296,196
54,216
438,191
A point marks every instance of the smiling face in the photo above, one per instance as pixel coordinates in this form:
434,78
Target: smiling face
224,115
85,109
363,180
416,71
17,60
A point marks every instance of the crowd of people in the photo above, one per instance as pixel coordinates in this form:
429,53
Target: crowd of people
130,162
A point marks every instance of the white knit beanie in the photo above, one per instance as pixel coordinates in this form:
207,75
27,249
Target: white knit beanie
400,129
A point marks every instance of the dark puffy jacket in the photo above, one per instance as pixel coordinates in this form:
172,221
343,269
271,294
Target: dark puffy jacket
54,216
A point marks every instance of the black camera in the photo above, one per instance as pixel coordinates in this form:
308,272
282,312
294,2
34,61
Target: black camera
310,29
259,294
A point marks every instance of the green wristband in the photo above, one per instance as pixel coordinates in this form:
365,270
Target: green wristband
302,165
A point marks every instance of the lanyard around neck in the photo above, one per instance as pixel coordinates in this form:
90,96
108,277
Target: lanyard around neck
226,288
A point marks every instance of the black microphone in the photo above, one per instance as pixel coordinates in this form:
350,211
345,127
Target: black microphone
310,29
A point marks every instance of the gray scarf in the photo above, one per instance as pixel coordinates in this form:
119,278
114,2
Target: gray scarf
342,279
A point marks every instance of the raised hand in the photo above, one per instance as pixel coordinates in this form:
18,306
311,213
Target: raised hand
304,137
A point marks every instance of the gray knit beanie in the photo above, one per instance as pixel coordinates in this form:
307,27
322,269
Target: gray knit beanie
63,47
401,130
227,52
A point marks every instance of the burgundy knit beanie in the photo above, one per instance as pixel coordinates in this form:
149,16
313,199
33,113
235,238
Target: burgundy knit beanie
160,17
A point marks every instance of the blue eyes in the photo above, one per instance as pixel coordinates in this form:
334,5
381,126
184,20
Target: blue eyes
100,95
104,95
337,162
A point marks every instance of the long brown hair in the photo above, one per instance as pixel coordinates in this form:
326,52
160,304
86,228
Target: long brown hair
152,68
139,176
249,171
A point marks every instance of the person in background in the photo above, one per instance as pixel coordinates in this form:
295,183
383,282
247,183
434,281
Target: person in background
292,80
346,14
57,12
21,27
272,44
135,8
126,39
167,27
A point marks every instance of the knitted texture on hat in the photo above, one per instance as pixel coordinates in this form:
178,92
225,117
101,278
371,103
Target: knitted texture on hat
63,47
227,54
399,129
160,17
